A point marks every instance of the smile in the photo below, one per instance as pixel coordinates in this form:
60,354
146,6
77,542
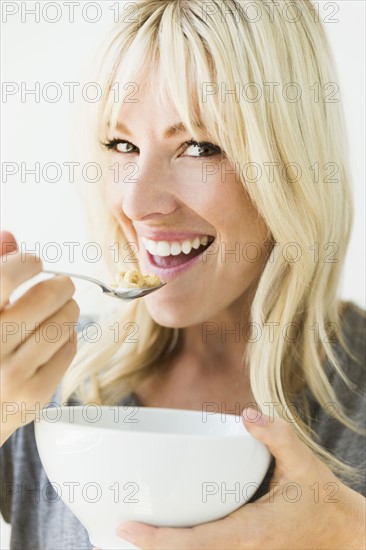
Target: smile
168,255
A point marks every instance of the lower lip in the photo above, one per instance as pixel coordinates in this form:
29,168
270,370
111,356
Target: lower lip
166,273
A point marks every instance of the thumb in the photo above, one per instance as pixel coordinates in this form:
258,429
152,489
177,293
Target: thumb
8,243
293,457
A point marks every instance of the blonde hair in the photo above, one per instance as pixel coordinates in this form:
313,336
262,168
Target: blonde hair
190,49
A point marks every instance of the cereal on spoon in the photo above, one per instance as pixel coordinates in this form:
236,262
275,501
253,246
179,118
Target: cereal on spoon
134,279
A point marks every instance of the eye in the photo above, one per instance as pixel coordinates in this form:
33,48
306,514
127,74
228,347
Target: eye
201,149
120,146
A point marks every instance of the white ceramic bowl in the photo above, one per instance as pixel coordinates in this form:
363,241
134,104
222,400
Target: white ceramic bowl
165,467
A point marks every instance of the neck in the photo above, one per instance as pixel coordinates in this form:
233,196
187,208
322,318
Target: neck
222,338
206,366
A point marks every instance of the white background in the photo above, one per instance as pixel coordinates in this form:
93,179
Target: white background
52,132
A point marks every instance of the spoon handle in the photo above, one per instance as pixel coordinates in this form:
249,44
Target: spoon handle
85,277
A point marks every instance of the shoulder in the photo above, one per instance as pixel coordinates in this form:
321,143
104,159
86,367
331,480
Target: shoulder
350,352
352,358
353,325
343,442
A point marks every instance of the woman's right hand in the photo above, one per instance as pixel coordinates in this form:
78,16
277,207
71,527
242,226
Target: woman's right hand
32,363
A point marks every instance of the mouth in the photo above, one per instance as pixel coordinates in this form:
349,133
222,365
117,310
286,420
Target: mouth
171,256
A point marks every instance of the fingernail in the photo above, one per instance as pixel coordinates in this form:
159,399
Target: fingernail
255,416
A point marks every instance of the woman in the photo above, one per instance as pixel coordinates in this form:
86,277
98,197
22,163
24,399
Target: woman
227,175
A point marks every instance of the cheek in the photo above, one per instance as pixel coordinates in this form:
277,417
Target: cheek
113,197
227,206
243,235
244,218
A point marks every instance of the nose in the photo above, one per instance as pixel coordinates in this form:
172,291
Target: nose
149,189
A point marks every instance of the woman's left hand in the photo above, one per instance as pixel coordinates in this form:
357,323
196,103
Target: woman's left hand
307,506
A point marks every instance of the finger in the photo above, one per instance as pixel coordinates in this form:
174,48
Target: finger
48,376
8,242
294,459
213,535
40,347
35,306
16,269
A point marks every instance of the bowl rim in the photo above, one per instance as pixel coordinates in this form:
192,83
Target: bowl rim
186,412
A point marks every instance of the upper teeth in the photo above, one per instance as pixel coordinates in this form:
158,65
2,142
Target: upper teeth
163,248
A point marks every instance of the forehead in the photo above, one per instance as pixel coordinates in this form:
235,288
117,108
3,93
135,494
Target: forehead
141,94
148,103
144,109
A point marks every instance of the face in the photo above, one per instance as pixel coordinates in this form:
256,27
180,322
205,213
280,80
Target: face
188,214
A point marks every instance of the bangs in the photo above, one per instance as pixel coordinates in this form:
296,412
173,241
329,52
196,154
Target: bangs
171,60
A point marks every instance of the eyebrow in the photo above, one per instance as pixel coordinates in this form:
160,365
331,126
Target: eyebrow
174,129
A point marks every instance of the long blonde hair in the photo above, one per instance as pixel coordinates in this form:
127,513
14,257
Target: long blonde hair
303,193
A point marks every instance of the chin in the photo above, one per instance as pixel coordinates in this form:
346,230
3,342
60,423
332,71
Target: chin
172,317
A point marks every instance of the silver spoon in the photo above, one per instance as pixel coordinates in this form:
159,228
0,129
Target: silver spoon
126,294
